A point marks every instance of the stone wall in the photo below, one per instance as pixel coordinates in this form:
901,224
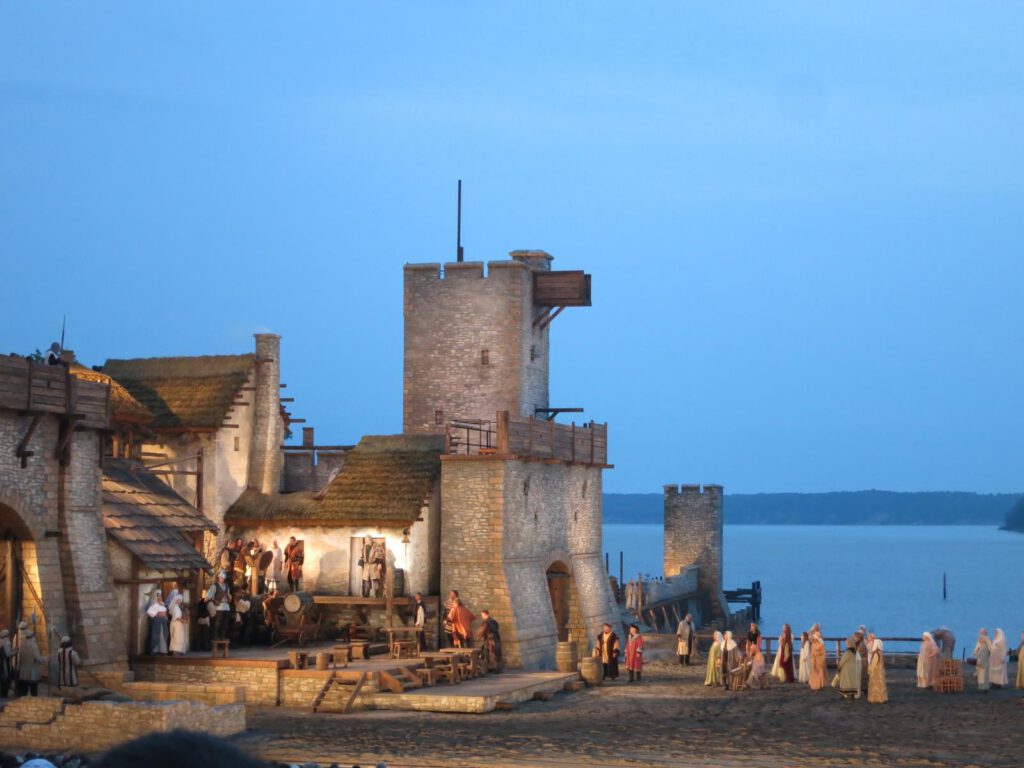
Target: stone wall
505,523
214,694
53,511
258,678
92,726
693,536
471,348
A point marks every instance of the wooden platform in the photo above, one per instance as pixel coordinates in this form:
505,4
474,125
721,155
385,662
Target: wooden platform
377,683
485,694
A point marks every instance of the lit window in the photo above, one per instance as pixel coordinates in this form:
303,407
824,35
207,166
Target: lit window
485,357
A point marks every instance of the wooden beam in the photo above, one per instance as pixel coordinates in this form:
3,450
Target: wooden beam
287,399
22,451
64,442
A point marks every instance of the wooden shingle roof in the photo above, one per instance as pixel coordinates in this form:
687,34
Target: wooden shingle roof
146,516
385,481
183,392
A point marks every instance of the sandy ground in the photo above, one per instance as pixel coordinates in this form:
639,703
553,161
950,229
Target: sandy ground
670,719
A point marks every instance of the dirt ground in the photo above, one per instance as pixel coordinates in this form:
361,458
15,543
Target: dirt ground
670,719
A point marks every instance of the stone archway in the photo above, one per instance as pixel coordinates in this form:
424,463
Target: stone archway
18,595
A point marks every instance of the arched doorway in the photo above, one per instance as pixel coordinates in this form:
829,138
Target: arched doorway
559,590
15,543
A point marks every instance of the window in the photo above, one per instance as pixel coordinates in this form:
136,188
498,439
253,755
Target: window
485,357
439,417
238,444
533,352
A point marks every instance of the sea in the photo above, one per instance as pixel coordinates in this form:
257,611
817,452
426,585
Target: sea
887,577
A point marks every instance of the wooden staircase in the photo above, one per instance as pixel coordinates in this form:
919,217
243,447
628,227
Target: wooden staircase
338,695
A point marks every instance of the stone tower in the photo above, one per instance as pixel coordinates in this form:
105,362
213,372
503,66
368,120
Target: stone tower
693,536
475,344
521,510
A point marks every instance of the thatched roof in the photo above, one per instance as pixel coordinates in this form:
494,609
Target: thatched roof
150,520
123,405
253,506
184,392
384,481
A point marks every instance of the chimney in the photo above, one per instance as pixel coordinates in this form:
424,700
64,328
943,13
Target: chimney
267,427
307,437
538,261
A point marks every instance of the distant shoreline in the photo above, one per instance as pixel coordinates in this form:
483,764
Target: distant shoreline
857,508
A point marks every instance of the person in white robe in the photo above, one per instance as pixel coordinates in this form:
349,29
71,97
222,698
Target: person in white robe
997,663
982,656
804,673
275,571
179,626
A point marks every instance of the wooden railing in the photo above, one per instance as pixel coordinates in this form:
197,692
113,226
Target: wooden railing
524,436
36,388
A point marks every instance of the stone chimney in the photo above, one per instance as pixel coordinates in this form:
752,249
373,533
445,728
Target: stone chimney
267,427
538,261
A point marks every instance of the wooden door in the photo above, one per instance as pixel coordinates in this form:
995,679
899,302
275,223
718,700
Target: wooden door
558,588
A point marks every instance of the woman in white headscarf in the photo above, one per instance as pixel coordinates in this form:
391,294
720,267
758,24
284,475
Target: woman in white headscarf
997,664
732,659
927,662
158,628
982,659
179,635
878,692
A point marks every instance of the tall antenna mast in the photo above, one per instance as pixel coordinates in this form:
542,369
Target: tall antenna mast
458,226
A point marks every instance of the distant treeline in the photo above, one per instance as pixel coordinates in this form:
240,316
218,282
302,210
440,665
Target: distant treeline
1015,517
839,508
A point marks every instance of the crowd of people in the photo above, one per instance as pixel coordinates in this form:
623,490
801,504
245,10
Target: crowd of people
22,662
860,668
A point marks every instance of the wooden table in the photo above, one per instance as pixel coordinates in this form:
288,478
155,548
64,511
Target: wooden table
447,664
474,658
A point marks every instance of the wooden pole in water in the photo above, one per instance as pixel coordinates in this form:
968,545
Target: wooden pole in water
607,567
620,568
943,585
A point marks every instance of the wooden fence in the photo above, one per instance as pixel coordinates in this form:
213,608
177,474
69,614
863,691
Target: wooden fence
524,436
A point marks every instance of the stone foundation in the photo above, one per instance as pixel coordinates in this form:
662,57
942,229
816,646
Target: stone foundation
259,679
45,723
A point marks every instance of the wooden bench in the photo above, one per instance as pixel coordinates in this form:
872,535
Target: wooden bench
220,648
427,674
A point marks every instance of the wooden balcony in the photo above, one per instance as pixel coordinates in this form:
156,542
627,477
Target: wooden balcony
512,436
39,389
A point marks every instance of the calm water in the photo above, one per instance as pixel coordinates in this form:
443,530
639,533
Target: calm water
888,578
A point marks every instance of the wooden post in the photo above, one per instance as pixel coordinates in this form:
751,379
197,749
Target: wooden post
199,480
12,574
503,438
133,601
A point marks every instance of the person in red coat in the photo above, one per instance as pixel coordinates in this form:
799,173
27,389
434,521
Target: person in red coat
635,653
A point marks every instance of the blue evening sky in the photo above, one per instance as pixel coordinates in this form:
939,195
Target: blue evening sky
803,220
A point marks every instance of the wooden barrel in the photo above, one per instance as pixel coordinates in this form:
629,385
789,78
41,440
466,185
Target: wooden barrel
323,660
298,659
590,670
566,659
298,602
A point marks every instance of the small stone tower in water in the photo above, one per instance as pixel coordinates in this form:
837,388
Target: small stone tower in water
520,494
693,536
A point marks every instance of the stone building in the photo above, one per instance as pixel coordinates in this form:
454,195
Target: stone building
387,488
520,494
693,536
218,422
54,566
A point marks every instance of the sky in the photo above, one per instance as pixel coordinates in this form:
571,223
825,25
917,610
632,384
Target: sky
802,219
